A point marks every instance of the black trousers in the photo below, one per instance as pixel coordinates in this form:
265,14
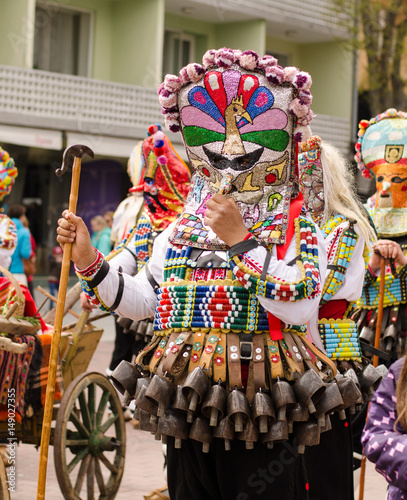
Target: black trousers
238,474
329,466
125,345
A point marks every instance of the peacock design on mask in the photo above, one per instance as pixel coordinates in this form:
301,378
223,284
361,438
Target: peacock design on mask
233,108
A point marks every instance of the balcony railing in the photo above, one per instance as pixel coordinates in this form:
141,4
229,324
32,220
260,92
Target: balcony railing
318,14
56,101
65,102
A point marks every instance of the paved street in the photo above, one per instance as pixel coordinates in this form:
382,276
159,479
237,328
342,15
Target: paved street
143,464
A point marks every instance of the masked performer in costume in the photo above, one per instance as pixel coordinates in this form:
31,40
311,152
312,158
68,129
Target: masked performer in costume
327,186
225,283
381,153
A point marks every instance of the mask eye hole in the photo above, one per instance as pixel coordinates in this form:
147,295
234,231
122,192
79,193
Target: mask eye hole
397,179
380,179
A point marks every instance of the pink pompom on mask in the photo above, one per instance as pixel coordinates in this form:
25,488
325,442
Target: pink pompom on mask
248,60
172,83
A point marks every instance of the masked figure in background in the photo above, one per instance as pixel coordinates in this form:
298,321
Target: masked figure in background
381,152
228,380
327,186
161,183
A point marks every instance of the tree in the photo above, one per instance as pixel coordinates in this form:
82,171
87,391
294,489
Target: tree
380,29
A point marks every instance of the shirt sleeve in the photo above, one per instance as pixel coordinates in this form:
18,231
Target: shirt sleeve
383,445
140,297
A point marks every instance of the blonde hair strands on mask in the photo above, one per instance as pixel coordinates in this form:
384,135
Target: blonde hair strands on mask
339,192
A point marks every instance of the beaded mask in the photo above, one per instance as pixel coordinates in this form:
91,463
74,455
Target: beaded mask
159,173
311,177
381,153
240,117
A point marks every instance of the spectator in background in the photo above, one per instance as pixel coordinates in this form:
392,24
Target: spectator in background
54,270
23,249
29,264
100,234
108,216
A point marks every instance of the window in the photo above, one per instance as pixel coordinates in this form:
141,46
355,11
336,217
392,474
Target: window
178,51
62,39
283,59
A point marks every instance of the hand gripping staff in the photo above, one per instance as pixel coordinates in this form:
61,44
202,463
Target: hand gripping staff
375,363
78,151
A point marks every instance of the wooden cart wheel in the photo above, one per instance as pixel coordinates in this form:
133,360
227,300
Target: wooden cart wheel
90,439
4,493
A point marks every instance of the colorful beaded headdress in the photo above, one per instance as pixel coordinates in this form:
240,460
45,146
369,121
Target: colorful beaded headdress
381,152
8,173
159,173
240,117
382,139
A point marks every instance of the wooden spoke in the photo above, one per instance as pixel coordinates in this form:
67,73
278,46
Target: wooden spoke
82,472
99,478
107,464
79,425
82,454
92,404
102,407
77,442
90,480
111,420
85,411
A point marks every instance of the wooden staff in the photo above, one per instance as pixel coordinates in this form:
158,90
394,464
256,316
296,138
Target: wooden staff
375,363
77,151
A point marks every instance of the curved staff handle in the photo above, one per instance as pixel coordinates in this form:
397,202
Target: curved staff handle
77,151
375,363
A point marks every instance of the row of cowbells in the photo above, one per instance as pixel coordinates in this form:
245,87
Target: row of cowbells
391,340
139,329
167,410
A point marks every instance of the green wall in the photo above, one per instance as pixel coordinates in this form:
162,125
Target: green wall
245,35
137,41
330,66
16,36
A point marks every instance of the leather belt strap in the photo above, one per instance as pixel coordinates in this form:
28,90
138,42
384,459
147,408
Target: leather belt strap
175,346
259,359
120,289
294,364
157,360
147,349
320,356
235,373
273,354
100,275
205,362
219,359
181,361
197,346
372,350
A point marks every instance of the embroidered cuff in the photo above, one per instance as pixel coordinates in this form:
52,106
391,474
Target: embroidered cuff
93,268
